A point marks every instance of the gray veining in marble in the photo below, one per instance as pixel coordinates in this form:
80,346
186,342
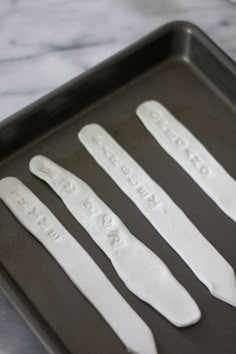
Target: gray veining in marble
45,43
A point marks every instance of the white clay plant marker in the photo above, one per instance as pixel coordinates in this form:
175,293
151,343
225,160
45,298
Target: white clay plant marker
78,265
190,154
166,217
140,269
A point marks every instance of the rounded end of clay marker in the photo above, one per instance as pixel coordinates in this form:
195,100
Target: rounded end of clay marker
142,107
181,309
9,180
7,183
191,320
94,127
36,162
151,108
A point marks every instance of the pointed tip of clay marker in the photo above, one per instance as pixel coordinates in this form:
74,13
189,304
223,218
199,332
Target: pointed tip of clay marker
227,291
151,347
143,343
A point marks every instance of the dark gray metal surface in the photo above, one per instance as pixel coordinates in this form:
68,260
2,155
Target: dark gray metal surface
15,336
179,66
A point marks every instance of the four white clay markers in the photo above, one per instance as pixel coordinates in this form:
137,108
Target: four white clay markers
143,272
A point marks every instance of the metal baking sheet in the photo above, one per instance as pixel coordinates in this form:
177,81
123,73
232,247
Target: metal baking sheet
182,68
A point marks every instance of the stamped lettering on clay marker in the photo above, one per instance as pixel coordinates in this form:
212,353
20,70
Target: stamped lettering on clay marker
56,178
90,206
172,224
190,154
34,215
105,220
78,265
129,256
150,198
116,240
181,144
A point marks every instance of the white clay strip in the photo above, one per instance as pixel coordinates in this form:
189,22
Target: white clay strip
190,154
78,265
167,218
140,269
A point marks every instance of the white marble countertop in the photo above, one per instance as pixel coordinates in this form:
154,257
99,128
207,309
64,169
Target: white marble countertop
45,43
